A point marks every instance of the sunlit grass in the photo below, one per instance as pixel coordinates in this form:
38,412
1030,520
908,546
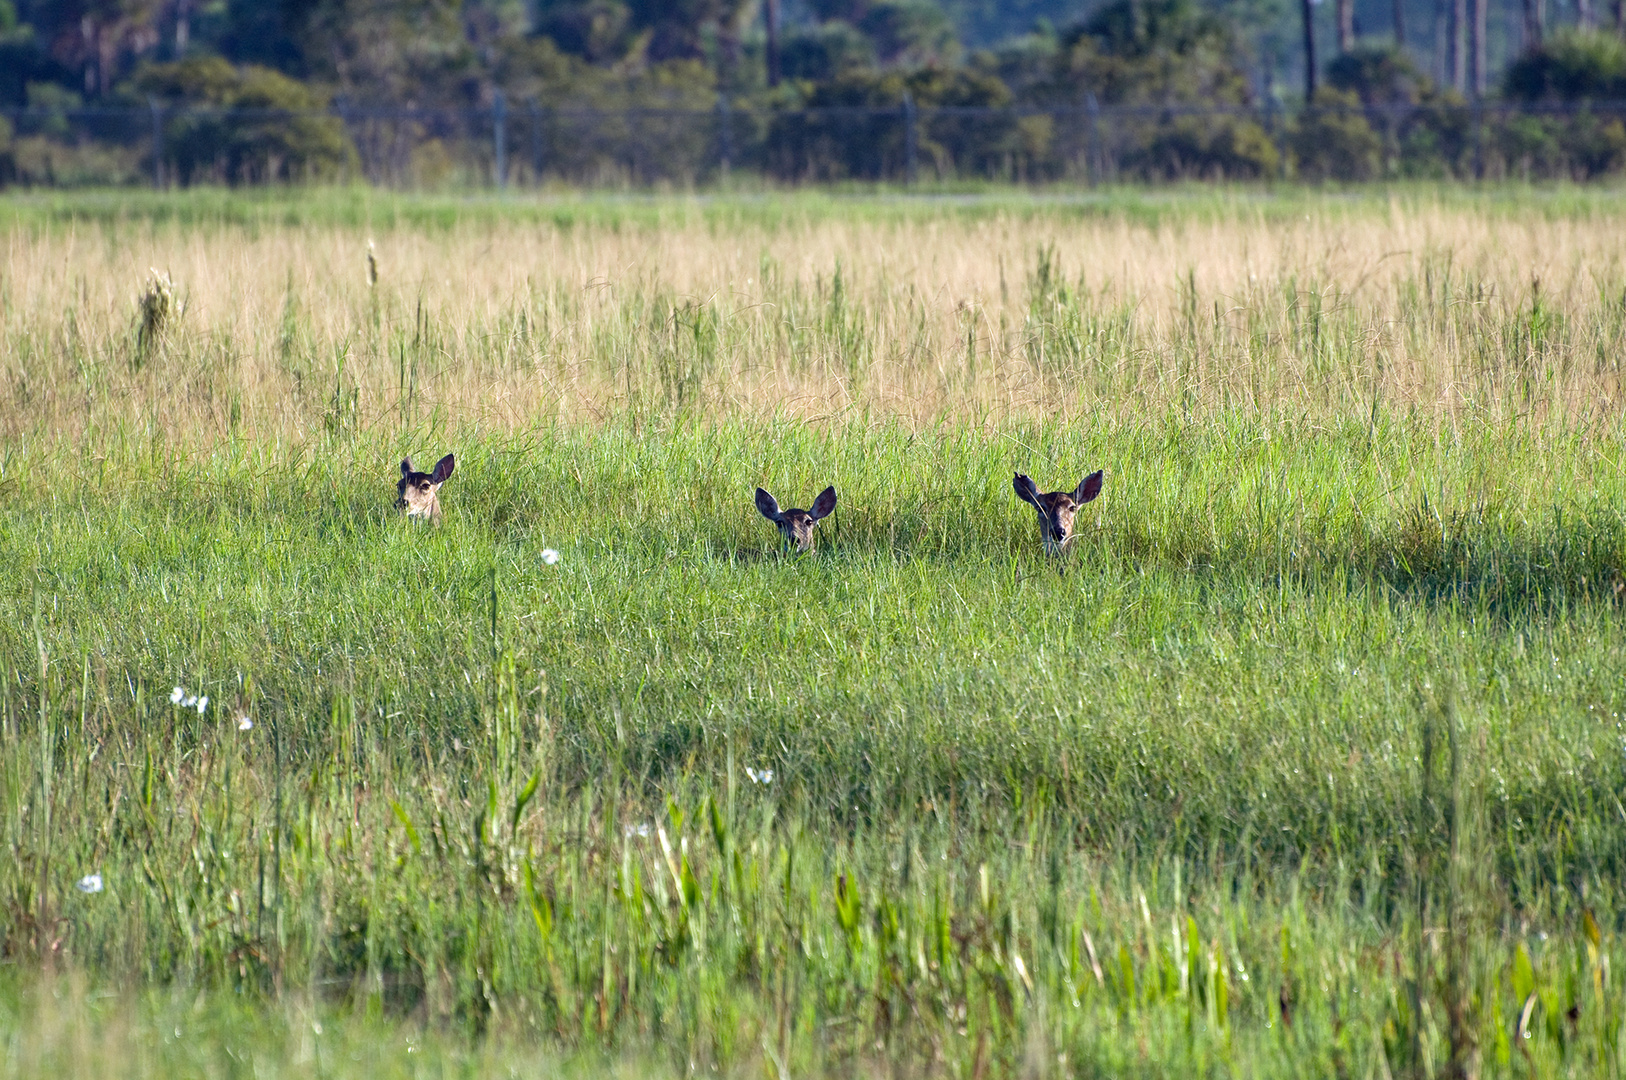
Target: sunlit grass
1317,725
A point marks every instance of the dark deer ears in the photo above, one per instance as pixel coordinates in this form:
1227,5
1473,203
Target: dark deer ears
822,505
444,467
1025,489
768,505
406,466
1089,488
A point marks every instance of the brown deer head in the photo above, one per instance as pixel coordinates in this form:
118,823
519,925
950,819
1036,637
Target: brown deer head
418,493
796,526
1057,508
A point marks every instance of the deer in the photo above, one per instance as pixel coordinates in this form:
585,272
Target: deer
418,493
796,526
1057,508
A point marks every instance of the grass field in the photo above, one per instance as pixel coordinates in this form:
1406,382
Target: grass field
1307,759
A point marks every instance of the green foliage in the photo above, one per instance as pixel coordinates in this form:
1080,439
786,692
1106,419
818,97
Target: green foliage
910,32
598,31
1207,148
1581,147
1380,75
273,138
825,51
1138,51
556,843
1572,65
1304,761
1333,140
839,145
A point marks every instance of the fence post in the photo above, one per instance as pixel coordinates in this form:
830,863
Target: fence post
499,132
1092,152
157,142
725,135
908,138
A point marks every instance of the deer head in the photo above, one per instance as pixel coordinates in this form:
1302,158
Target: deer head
796,526
1057,508
418,493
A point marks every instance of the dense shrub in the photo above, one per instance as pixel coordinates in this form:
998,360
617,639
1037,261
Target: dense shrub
1572,65
1333,140
837,144
1580,147
1207,148
277,129
1379,75
821,52
1153,51
1434,140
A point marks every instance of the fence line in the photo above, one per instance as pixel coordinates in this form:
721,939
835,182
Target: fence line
166,143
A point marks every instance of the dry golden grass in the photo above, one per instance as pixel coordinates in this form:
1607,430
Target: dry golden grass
1448,309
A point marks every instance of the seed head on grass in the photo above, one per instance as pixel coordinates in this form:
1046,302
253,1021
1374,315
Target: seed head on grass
158,311
372,266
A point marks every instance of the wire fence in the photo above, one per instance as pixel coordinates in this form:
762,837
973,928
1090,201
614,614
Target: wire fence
529,144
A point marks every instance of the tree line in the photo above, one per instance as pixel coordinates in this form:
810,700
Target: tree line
1379,87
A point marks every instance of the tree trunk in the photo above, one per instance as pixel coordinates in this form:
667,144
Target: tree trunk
183,27
771,16
1533,18
1476,51
1346,25
1309,50
1400,24
1442,42
1459,53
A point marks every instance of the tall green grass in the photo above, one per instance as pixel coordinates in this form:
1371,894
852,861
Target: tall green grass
1307,759
450,809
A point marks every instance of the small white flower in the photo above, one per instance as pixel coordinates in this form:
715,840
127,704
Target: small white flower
203,703
176,695
244,724
188,701
636,830
550,556
759,776
90,883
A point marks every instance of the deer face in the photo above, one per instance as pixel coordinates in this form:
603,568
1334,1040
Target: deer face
796,526
1057,508
418,493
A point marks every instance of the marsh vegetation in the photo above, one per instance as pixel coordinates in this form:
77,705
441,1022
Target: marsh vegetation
1307,758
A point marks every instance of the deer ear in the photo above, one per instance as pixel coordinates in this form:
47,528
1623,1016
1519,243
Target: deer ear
443,469
1088,488
768,505
1025,490
406,466
825,503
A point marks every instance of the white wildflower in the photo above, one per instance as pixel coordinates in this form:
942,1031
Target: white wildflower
550,556
759,776
244,723
636,830
90,883
176,695
203,703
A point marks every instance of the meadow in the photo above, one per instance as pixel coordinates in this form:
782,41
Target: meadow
1306,759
